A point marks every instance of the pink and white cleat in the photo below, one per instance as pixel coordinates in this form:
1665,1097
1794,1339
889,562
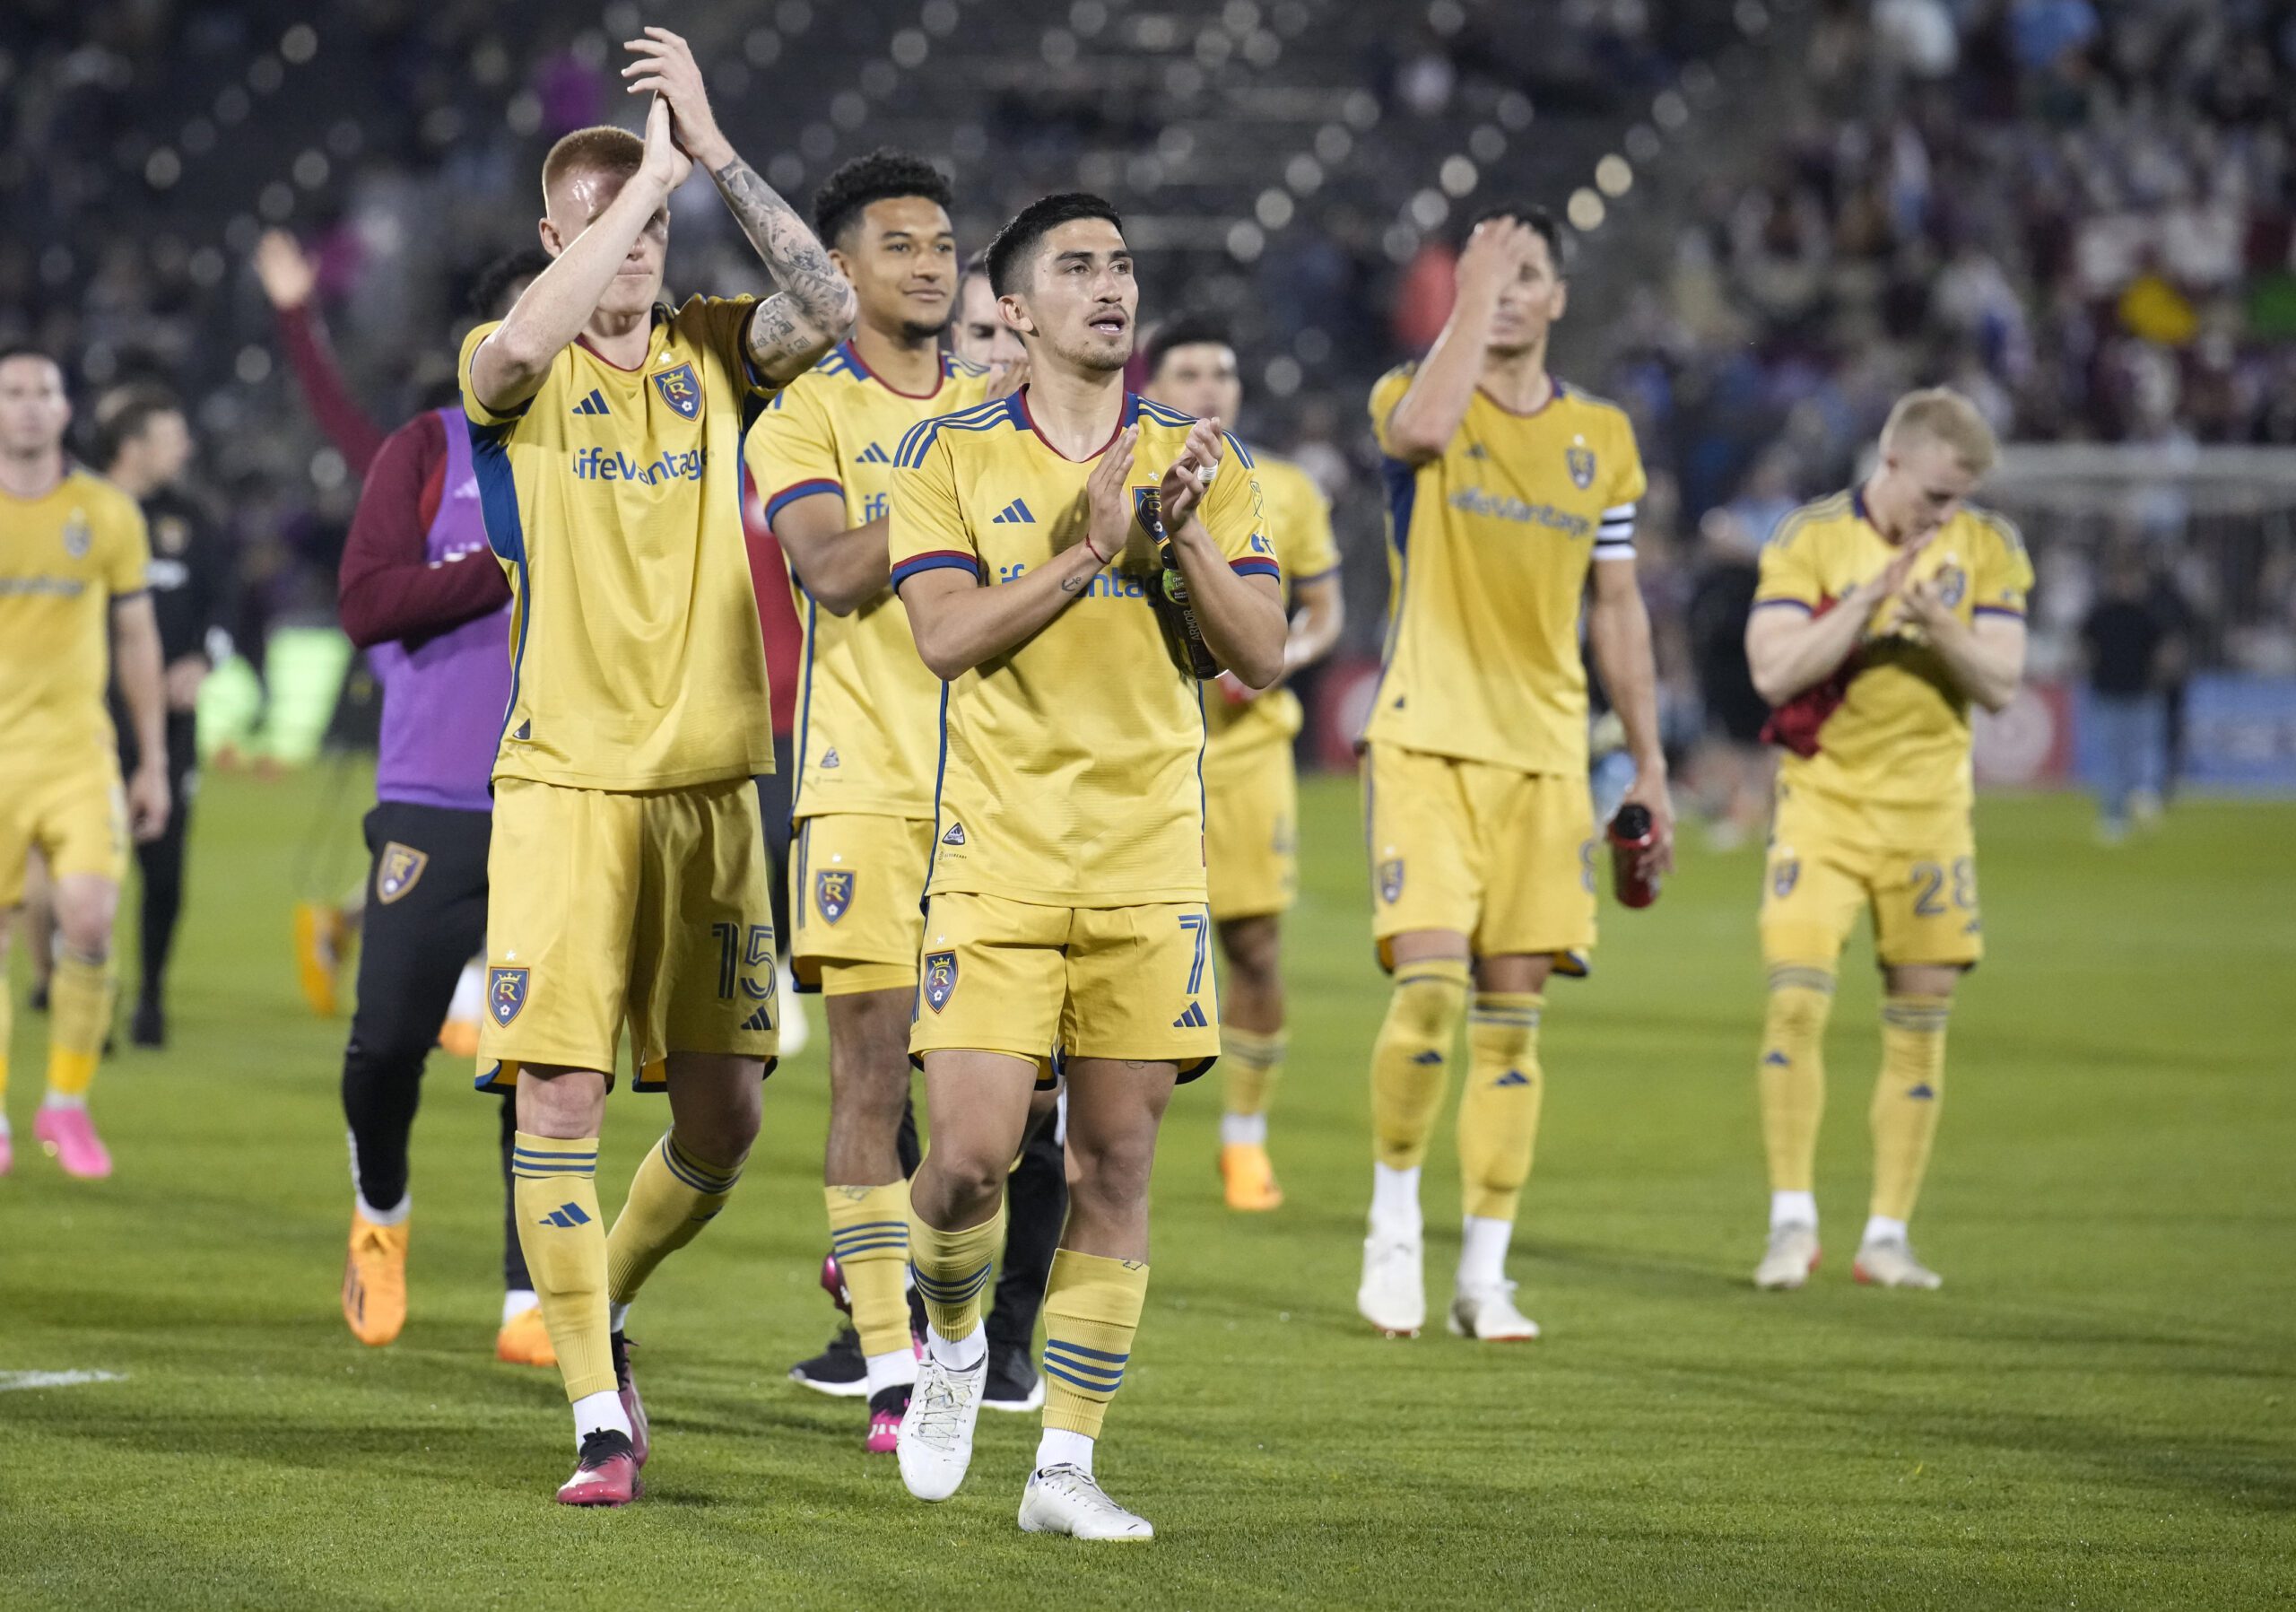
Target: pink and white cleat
68,1135
887,1407
7,1154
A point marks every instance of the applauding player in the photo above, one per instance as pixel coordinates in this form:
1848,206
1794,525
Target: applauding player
1053,549
1251,790
1505,490
1882,614
627,874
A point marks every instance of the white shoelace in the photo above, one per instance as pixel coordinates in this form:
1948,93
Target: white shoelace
940,1408
1074,1484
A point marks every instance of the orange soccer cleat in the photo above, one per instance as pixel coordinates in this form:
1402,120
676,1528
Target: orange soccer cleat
524,1340
374,1280
319,953
1249,1177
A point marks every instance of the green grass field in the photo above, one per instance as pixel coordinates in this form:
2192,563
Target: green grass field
2100,1409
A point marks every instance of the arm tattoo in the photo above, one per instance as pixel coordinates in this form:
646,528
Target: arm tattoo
813,298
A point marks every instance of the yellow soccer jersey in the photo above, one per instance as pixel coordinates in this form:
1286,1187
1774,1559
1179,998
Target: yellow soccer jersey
1070,768
614,500
1489,545
1298,523
1901,736
65,560
868,712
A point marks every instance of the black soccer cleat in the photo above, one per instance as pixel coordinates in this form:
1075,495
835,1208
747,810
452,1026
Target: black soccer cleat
838,1371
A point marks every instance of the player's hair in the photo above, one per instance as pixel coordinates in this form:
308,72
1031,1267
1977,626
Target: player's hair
1186,330
1541,223
1943,416
1014,248
879,177
489,292
123,413
600,149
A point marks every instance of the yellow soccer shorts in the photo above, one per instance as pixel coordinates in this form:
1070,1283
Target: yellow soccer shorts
1827,865
76,818
857,894
1504,857
1251,831
606,907
1029,982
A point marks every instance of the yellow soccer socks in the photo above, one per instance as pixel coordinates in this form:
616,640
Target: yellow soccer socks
80,1004
553,1187
1091,1311
1793,1083
1411,1058
673,1195
953,1269
868,1232
1905,1099
1499,1111
1250,1063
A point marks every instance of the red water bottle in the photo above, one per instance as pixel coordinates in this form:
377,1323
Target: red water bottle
1631,834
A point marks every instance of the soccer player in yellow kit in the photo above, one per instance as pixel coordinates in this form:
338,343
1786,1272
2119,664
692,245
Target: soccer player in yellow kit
72,554
1067,918
627,873
1506,490
1882,615
1251,789
868,718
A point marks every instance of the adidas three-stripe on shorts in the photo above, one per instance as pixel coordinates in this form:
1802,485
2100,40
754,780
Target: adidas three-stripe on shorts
646,908
997,975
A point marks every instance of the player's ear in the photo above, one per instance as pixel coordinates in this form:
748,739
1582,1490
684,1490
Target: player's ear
1015,315
1558,300
552,241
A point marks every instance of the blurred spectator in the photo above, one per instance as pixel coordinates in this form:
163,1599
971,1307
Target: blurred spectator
2129,649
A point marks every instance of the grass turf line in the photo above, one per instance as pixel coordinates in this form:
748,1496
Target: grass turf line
2099,1407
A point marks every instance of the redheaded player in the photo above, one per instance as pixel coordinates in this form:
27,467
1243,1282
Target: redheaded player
626,876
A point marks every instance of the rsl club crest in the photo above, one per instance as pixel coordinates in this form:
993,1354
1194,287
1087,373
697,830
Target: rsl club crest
506,992
1391,880
834,892
397,870
679,390
1953,582
940,978
78,537
1580,462
1147,507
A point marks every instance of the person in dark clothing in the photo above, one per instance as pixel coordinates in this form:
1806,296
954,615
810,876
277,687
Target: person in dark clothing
144,446
2129,650
1734,766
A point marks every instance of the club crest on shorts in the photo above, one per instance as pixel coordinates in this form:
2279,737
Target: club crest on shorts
1147,506
940,978
1581,461
834,892
679,390
506,992
397,869
1391,880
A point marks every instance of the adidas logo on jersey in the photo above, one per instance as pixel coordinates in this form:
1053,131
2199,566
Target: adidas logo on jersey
565,1218
763,1019
1015,514
955,836
594,403
874,455
830,759
1193,1019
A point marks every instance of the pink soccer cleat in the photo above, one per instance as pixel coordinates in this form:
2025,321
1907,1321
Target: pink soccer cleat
633,1407
607,1474
887,1407
68,1135
7,1154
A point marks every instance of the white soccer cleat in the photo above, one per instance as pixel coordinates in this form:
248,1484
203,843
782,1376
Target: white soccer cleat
1789,1261
1394,1295
1489,1316
1065,1500
936,1430
1890,1263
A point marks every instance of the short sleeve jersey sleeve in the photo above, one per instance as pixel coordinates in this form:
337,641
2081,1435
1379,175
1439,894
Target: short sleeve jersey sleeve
127,550
1789,568
927,529
793,449
1386,393
2006,576
1235,512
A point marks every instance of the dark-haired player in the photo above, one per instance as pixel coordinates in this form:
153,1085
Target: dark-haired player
1028,540
1505,490
1251,789
867,723
420,592
627,876
73,605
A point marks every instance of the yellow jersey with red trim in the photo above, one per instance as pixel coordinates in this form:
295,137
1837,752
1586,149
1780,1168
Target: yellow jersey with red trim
1070,767
65,558
868,711
1901,736
1489,544
612,498
1298,523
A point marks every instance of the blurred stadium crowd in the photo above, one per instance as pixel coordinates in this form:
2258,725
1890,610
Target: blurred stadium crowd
1787,213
